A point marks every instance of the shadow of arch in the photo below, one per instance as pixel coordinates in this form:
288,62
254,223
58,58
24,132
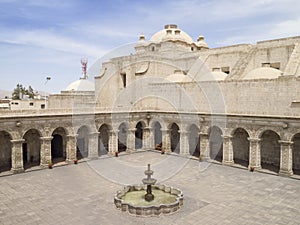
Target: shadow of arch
103,140
31,149
139,135
215,143
5,151
122,137
296,153
82,147
241,147
194,141
58,145
270,151
175,138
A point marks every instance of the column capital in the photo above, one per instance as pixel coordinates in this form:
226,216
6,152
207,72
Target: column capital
254,139
148,128
16,141
72,136
282,142
164,130
183,132
94,133
46,138
226,136
203,134
132,129
114,131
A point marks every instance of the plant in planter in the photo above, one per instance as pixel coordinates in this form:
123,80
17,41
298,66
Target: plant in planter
50,164
116,153
163,151
75,161
251,169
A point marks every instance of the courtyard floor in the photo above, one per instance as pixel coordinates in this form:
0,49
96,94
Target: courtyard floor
84,193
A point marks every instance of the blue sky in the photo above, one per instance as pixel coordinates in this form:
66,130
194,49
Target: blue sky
40,38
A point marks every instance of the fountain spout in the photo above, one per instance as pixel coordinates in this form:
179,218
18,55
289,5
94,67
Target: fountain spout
149,181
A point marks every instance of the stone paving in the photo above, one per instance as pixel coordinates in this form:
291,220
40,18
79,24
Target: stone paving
83,193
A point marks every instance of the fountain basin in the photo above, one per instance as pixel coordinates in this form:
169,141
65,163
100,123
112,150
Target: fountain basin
131,199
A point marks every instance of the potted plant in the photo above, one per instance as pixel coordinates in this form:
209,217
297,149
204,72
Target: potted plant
50,164
116,153
75,161
251,168
163,151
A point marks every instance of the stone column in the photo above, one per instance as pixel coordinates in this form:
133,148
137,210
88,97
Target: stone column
184,142
17,156
286,161
227,150
93,145
113,141
71,147
166,140
254,155
131,140
147,138
204,146
45,151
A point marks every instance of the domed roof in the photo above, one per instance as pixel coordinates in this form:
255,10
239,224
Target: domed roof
81,85
263,73
171,33
214,76
201,43
179,77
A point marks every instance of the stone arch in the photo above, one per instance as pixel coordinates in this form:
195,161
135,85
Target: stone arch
216,143
240,146
139,135
5,151
157,129
194,140
175,138
103,139
122,137
160,121
82,147
270,150
59,145
296,153
31,148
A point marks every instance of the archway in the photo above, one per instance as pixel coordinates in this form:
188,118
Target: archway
270,151
157,136
31,148
194,141
103,140
296,154
175,138
216,144
139,136
122,137
240,145
5,151
58,145
82,142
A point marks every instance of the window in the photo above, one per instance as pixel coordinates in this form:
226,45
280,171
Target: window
31,103
225,69
123,76
42,106
152,48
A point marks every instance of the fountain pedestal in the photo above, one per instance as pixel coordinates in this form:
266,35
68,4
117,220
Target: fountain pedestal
149,182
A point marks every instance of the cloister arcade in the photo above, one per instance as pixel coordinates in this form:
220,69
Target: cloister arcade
267,148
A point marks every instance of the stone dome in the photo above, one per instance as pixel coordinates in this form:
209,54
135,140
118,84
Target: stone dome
214,76
263,73
81,85
179,77
201,43
171,33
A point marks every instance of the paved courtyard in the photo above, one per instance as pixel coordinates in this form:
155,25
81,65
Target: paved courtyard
83,193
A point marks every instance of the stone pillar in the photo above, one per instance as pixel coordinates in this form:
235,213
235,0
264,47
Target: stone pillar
204,146
254,155
166,140
130,140
147,140
71,147
93,145
17,156
45,151
227,150
184,142
113,141
286,160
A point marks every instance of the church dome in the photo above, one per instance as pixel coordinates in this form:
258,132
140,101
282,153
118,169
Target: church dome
171,33
263,73
179,77
81,85
201,43
214,76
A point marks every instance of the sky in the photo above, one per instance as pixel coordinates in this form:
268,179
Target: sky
42,38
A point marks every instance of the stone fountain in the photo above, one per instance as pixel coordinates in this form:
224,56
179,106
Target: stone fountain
149,182
149,199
